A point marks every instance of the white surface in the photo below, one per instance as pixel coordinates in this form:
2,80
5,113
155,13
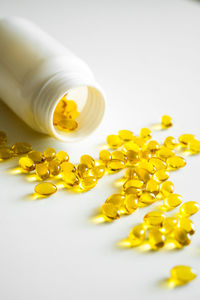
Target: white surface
145,54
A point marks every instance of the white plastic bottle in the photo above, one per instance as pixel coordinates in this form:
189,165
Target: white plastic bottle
36,71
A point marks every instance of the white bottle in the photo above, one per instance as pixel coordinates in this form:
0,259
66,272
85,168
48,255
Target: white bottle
36,71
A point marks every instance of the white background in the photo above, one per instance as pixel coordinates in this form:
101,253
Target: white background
146,56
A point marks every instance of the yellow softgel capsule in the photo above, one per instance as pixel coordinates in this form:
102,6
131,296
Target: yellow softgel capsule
182,274
45,188
73,114
70,178
154,218
145,133
5,153
67,167
119,155
194,146
145,155
62,156
26,164
166,121
131,146
170,142
146,199
137,235
185,139
161,175
169,224
130,174
3,137
158,163
21,148
125,135
82,170
60,107
36,156
172,201
147,166
49,153
57,117
110,211
131,203
153,146
182,237
139,141
115,165
156,238
54,167
143,174
133,190
189,208
67,125
98,171
167,188
116,200
114,141
187,225
164,153
88,161
105,155
42,170
88,182
132,157
176,162
153,186
136,183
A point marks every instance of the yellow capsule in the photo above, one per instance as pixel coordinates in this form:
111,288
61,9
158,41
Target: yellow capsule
169,224
132,157
105,155
185,139
182,274
136,183
5,153
88,182
176,162
167,188
166,121
143,174
42,170
61,106
147,166
70,178
189,208
110,211
170,142
62,156
45,188
67,167
145,155
158,163
137,235
116,200
119,155
88,161
26,163
36,156
21,148
72,114
164,153
187,225
114,141
133,190
161,175
98,171
130,174
82,170
153,187
3,137
67,125
153,146
139,141
49,154
154,218
131,203
57,117
172,201
156,238
194,146
54,167
70,106
131,146
145,133
115,165
182,237
146,199
125,135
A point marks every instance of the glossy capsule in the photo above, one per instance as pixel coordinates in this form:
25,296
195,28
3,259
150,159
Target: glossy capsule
131,146
70,178
137,235
187,225
125,135
132,157
114,141
166,121
143,174
5,153
153,186
88,182
167,188
146,199
116,199
36,156
161,175
105,156
67,167
130,174
67,125
145,133
45,188
119,155
164,153
82,170
182,274
88,161
172,201
176,162
49,153
110,211
131,203
62,156
154,218
54,167
185,139
98,171
169,224
133,190
170,142
156,238
147,166
153,146
21,148
136,183
182,237
26,164
42,170
189,208
115,165
194,146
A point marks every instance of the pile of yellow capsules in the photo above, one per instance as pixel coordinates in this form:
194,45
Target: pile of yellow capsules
147,167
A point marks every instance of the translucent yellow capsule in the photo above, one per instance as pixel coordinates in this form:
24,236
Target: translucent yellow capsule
36,156
131,203
26,163
115,165
136,183
187,225
54,167
131,146
5,153
98,171
132,157
21,148
169,224
146,199
73,114
70,106
182,274
166,121
194,146
130,174
164,153
143,174
116,200
154,218
62,156
147,166
88,182
67,125
88,161
45,188
57,117
145,133
182,237
125,135
137,235
158,163
145,155
172,201
49,154
119,155
82,170
61,106
110,211
176,162
153,187
167,188
133,190
185,139
189,208
70,178
156,238
105,155
114,141
139,141
3,137
67,167
161,175
42,170
153,146
170,142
